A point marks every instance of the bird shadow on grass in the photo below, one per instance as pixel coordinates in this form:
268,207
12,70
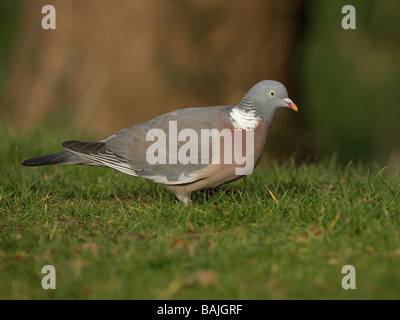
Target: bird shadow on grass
215,193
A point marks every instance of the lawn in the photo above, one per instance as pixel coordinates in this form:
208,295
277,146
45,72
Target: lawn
283,233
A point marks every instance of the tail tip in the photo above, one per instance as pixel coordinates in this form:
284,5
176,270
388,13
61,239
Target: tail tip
28,163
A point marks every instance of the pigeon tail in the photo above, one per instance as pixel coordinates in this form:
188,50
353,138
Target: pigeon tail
65,157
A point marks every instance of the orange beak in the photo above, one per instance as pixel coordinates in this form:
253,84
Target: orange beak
291,104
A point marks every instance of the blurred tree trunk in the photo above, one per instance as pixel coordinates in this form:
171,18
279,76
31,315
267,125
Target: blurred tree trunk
112,64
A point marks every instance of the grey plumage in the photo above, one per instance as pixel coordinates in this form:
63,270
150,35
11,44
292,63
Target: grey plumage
126,150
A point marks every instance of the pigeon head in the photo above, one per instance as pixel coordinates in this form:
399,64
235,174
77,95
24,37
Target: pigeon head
265,98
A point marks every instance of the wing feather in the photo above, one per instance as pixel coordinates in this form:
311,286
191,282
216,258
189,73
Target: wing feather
126,150
98,153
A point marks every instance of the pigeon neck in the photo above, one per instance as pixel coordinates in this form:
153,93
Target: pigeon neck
246,115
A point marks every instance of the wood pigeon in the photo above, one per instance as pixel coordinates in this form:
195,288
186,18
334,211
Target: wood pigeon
189,149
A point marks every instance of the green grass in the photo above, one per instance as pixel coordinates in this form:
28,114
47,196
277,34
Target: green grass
110,235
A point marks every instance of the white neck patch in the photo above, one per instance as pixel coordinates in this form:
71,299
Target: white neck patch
244,119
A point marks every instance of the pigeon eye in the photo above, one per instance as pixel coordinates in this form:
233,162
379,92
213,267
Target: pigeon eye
272,93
